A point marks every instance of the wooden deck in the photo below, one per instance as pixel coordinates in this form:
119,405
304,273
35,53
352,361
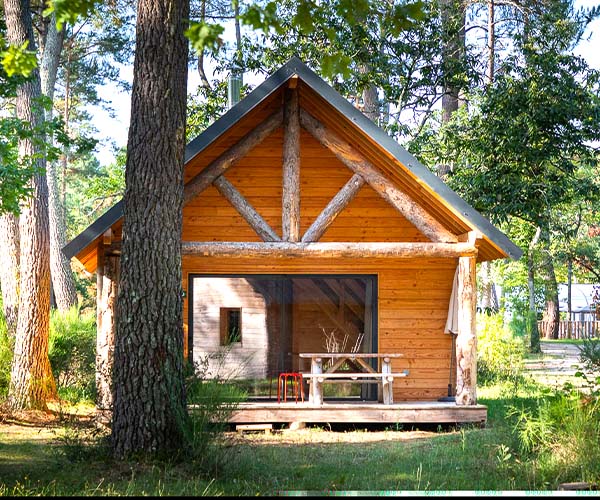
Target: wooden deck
430,412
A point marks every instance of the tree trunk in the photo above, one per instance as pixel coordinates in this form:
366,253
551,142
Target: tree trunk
150,412
534,334
31,382
491,41
62,277
371,103
9,270
453,26
569,296
201,72
551,315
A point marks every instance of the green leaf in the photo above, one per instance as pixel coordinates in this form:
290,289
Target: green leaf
68,11
17,60
205,36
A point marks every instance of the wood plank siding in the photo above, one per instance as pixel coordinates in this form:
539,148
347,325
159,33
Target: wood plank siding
258,177
295,181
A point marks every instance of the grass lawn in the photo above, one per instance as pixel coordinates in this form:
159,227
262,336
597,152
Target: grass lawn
49,456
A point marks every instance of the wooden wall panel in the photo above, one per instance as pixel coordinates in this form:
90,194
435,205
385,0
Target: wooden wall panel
415,331
258,177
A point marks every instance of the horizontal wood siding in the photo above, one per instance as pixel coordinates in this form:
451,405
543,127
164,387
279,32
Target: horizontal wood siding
246,359
413,297
258,177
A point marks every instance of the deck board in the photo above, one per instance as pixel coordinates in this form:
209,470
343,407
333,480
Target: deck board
358,412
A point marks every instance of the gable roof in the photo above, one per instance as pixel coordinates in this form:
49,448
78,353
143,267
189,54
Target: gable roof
354,123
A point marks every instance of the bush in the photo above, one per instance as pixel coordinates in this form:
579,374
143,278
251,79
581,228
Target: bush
499,352
6,353
72,353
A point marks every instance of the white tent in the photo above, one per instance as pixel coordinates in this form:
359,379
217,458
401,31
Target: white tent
582,299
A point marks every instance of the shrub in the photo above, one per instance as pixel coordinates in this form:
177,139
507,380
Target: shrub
6,353
499,352
72,353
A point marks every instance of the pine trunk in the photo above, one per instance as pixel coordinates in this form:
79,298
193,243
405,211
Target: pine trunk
534,334
62,277
453,53
551,314
9,270
31,382
149,398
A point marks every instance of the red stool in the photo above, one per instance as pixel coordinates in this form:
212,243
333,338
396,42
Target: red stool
297,387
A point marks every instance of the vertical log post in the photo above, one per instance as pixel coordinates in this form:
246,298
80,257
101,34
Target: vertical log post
466,340
291,168
107,276
316,385
386,381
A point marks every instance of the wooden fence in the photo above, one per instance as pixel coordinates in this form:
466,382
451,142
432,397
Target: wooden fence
574,329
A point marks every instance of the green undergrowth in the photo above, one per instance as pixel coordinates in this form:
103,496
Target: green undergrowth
535,439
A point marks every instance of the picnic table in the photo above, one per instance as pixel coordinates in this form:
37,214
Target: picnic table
363,372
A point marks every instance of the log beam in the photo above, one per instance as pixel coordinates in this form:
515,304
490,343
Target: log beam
327,250
333,209
245,209
290,206
466,340
107,280
219,166
356,162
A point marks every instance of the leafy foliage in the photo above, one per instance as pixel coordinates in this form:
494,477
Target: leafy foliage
17,60
72,353
500,352
16,170
6,355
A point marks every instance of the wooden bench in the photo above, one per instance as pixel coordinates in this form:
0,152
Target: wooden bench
384,379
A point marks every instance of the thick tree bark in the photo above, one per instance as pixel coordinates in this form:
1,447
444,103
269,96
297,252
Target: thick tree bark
534,334
453,26
9,270
31,382
551,314
60,269
371,103
150,413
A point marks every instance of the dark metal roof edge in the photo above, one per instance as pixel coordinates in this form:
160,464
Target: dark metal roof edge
94,230
237,112
271,84
379,135
193,148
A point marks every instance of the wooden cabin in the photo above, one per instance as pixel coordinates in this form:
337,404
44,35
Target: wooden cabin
304,226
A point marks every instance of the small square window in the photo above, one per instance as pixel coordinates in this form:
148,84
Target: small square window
231,325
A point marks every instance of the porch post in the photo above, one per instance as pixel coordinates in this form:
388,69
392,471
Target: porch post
466,340
107,276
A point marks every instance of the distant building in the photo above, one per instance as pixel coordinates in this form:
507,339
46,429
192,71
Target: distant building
583,305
